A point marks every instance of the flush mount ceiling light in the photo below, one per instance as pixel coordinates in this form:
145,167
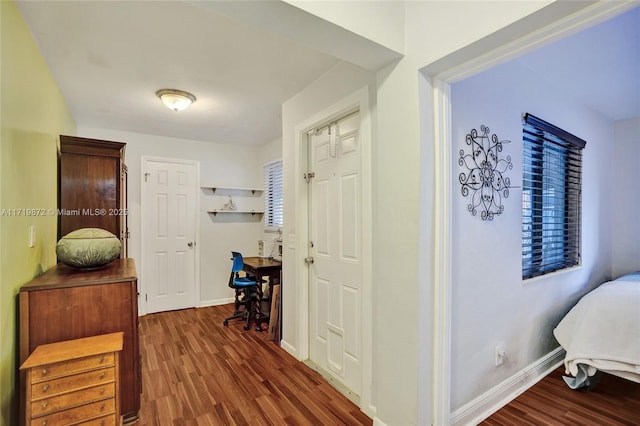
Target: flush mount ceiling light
176,100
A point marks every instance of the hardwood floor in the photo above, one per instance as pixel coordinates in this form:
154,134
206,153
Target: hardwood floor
197,372
613,402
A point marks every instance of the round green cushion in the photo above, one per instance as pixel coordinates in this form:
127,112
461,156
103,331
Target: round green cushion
88,248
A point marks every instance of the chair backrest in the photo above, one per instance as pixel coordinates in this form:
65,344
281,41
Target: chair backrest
238,262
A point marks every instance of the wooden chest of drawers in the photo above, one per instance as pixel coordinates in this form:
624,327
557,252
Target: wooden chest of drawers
74,382
66,303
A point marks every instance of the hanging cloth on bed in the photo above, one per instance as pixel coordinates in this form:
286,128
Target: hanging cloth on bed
582,379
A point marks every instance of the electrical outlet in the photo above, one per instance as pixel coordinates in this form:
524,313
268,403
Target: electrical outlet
500,354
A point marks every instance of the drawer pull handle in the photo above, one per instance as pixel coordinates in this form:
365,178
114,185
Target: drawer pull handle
44,371
101,358
103,406
102,390
102,374
45,388
44,404
45,422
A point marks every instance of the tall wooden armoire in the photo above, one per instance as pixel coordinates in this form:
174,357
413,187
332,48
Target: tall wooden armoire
92,186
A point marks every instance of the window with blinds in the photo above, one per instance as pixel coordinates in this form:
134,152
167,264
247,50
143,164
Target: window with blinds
273,195
551,198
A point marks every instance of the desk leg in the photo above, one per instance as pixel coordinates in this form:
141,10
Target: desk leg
267,309
274,316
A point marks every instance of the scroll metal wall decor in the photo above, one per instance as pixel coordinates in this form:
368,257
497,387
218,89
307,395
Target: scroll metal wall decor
485,180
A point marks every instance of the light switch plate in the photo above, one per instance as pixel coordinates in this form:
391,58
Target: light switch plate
32,236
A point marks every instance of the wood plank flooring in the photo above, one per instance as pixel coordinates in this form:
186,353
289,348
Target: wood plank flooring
197,372
613,402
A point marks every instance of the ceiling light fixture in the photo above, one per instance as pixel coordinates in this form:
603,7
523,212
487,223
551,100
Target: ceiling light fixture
176,100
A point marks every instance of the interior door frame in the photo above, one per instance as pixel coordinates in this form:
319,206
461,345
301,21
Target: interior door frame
358,100
142,286
435,86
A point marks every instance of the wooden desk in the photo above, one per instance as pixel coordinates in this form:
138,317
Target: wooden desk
264,267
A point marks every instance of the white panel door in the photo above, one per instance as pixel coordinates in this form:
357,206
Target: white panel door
336,246
169,193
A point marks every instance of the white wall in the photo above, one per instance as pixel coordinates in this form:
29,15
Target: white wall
491,303
342,81
625,204
402,169
404,203
403,187
339,82
270,152
220,164
379,21
398,313
438,28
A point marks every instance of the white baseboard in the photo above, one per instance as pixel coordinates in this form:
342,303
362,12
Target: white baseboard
371,412
288,347
216,302
497,397
378,422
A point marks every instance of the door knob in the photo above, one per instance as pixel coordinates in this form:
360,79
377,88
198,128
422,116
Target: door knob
191,244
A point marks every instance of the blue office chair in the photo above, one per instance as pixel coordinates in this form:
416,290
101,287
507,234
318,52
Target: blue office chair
248,293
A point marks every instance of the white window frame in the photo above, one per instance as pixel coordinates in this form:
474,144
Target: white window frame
273,196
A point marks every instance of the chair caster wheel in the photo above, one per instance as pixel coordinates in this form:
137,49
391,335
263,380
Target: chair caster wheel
225,323
246,327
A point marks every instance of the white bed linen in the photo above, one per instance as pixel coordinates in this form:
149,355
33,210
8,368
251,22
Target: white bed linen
603,330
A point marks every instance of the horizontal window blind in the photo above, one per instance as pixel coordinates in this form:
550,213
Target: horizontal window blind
551,198
273,206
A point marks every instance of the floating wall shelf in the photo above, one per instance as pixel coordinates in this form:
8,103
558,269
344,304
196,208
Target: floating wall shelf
237,203
251,212
233,188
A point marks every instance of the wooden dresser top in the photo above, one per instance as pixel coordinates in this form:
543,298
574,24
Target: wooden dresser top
120,270
73,349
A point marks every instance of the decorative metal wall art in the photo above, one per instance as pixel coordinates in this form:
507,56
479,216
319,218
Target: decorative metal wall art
485,179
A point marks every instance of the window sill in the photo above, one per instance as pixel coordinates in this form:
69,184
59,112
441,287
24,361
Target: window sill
551,275
272,230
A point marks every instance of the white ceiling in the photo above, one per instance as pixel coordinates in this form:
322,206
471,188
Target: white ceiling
110,57
599,67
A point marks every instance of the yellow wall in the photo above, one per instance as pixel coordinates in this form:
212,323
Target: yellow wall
32,115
